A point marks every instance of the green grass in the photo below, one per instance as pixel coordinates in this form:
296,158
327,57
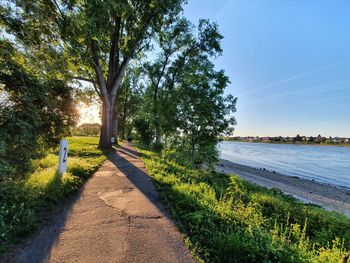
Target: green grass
26,203
227,219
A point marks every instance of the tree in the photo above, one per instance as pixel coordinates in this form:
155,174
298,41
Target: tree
36,111
177,47
93,40
297,138
318,139
173,41
129,100
184,99
204,114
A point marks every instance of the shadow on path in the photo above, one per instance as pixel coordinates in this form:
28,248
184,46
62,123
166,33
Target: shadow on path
116,217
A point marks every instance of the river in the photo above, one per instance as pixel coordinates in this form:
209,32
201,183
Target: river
326,164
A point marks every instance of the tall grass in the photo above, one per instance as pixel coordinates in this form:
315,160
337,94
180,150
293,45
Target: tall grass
25,203
227,219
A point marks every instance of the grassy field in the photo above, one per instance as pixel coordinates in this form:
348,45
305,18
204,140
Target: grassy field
25,203
226,219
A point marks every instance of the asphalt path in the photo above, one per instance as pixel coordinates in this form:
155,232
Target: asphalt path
118,217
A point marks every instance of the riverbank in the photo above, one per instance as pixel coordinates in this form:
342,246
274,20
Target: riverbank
227,219
309,191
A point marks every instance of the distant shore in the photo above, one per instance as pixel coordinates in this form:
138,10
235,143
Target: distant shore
309,191
294,143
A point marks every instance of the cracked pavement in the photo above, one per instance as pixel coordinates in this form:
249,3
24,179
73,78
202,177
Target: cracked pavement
117,217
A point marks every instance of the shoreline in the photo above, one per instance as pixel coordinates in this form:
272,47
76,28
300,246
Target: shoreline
328,196
292,143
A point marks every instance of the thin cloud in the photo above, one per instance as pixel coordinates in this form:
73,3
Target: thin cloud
318,87
324,100
276,83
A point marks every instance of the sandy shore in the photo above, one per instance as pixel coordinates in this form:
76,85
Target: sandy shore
309,191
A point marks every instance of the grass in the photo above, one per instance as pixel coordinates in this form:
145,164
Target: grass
227,219
26,203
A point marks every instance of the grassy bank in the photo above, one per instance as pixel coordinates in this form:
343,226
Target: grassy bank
25,203
227,219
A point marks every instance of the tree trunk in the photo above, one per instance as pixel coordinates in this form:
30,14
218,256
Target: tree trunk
156,115
115,125
158,134
123,128
105,135
192,149
124,114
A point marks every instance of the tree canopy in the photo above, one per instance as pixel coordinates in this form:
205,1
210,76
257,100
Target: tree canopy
151,68
89,40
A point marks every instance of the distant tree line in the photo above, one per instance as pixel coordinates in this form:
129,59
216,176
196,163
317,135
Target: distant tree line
87,129
297,139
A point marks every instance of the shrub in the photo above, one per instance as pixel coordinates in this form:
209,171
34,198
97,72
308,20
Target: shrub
227,219
35,112
25,202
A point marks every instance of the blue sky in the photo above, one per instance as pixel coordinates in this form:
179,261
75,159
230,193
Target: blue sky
288,62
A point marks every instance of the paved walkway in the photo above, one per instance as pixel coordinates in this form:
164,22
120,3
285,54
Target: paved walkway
117,218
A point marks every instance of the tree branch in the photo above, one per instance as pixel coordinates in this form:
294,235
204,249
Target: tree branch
59,10
167,56
182,64
127,59
120,75
98,70
85,79
93,82
113,63
97,90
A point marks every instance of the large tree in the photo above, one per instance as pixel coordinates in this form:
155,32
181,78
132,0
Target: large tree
178,44
91,40
184,100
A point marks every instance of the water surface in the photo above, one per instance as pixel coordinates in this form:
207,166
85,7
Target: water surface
326,164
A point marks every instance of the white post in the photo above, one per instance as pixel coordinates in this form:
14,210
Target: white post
63,157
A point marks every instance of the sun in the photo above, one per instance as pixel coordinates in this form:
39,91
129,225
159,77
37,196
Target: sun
89,113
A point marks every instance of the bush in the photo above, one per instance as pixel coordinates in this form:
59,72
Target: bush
35,112
25,202
227,219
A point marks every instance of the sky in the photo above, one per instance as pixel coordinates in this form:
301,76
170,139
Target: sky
288,62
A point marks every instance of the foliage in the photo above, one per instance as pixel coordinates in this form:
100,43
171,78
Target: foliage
24,203
87,129
89,40
129,100
227,219
184,102
34,115
143,130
